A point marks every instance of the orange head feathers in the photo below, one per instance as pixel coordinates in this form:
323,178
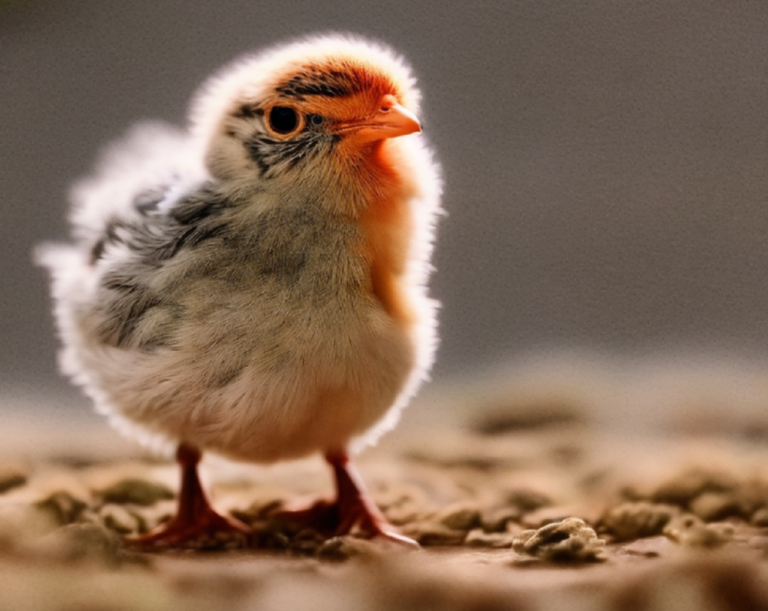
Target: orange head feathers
318,109
357,102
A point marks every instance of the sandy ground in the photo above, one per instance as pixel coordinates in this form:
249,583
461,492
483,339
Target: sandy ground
523,504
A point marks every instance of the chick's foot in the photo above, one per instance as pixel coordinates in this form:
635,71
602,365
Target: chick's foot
355,508
196,524
352,513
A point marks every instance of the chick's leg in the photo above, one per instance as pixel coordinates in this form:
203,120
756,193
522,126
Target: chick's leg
355,507
196,523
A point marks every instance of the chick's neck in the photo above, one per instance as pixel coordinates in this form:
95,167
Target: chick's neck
386,221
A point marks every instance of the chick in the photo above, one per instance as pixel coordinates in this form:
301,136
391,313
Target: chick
255,285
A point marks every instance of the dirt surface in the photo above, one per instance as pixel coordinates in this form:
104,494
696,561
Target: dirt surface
518,506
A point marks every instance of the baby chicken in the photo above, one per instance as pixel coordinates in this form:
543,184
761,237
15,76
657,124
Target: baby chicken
255,286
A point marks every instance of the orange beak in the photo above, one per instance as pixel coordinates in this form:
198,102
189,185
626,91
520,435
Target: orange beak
391,120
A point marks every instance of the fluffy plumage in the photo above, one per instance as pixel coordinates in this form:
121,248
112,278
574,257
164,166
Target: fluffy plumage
255,284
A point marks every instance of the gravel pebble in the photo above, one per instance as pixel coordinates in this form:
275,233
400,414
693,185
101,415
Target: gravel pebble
633,520
462,516
120,519
711,506
11,477
62,507
691,531
570,540
760,517
496,540
135,491
436,534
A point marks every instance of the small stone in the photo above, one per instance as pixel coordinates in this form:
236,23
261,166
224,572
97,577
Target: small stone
647,547
10,478
760,517
119,519
436,534
258,510
62,507
459,517
685,486
307,541
91,539
152,516
480,538
216,540
710,506
630,521
343,548
690,531
570,540
272,539
82,542
136,491
229,540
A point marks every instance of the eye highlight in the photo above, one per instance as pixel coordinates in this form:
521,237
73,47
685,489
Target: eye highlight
284,121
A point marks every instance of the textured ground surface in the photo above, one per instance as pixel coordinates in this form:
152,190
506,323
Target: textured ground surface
523,505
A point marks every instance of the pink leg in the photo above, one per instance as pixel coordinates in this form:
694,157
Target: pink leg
196,523
352,511
354,505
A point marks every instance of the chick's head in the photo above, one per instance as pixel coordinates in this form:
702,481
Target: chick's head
310,110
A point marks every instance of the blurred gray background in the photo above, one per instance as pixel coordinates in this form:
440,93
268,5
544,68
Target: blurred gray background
606,163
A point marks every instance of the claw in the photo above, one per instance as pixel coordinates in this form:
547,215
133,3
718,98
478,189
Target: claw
353,511
196,524
356,510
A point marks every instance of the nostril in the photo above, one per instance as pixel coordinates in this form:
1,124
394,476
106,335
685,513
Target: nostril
387,103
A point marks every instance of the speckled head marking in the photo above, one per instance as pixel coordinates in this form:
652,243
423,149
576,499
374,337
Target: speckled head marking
290,109
313,80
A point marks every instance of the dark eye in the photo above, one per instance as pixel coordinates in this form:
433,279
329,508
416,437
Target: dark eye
315,120
283,120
